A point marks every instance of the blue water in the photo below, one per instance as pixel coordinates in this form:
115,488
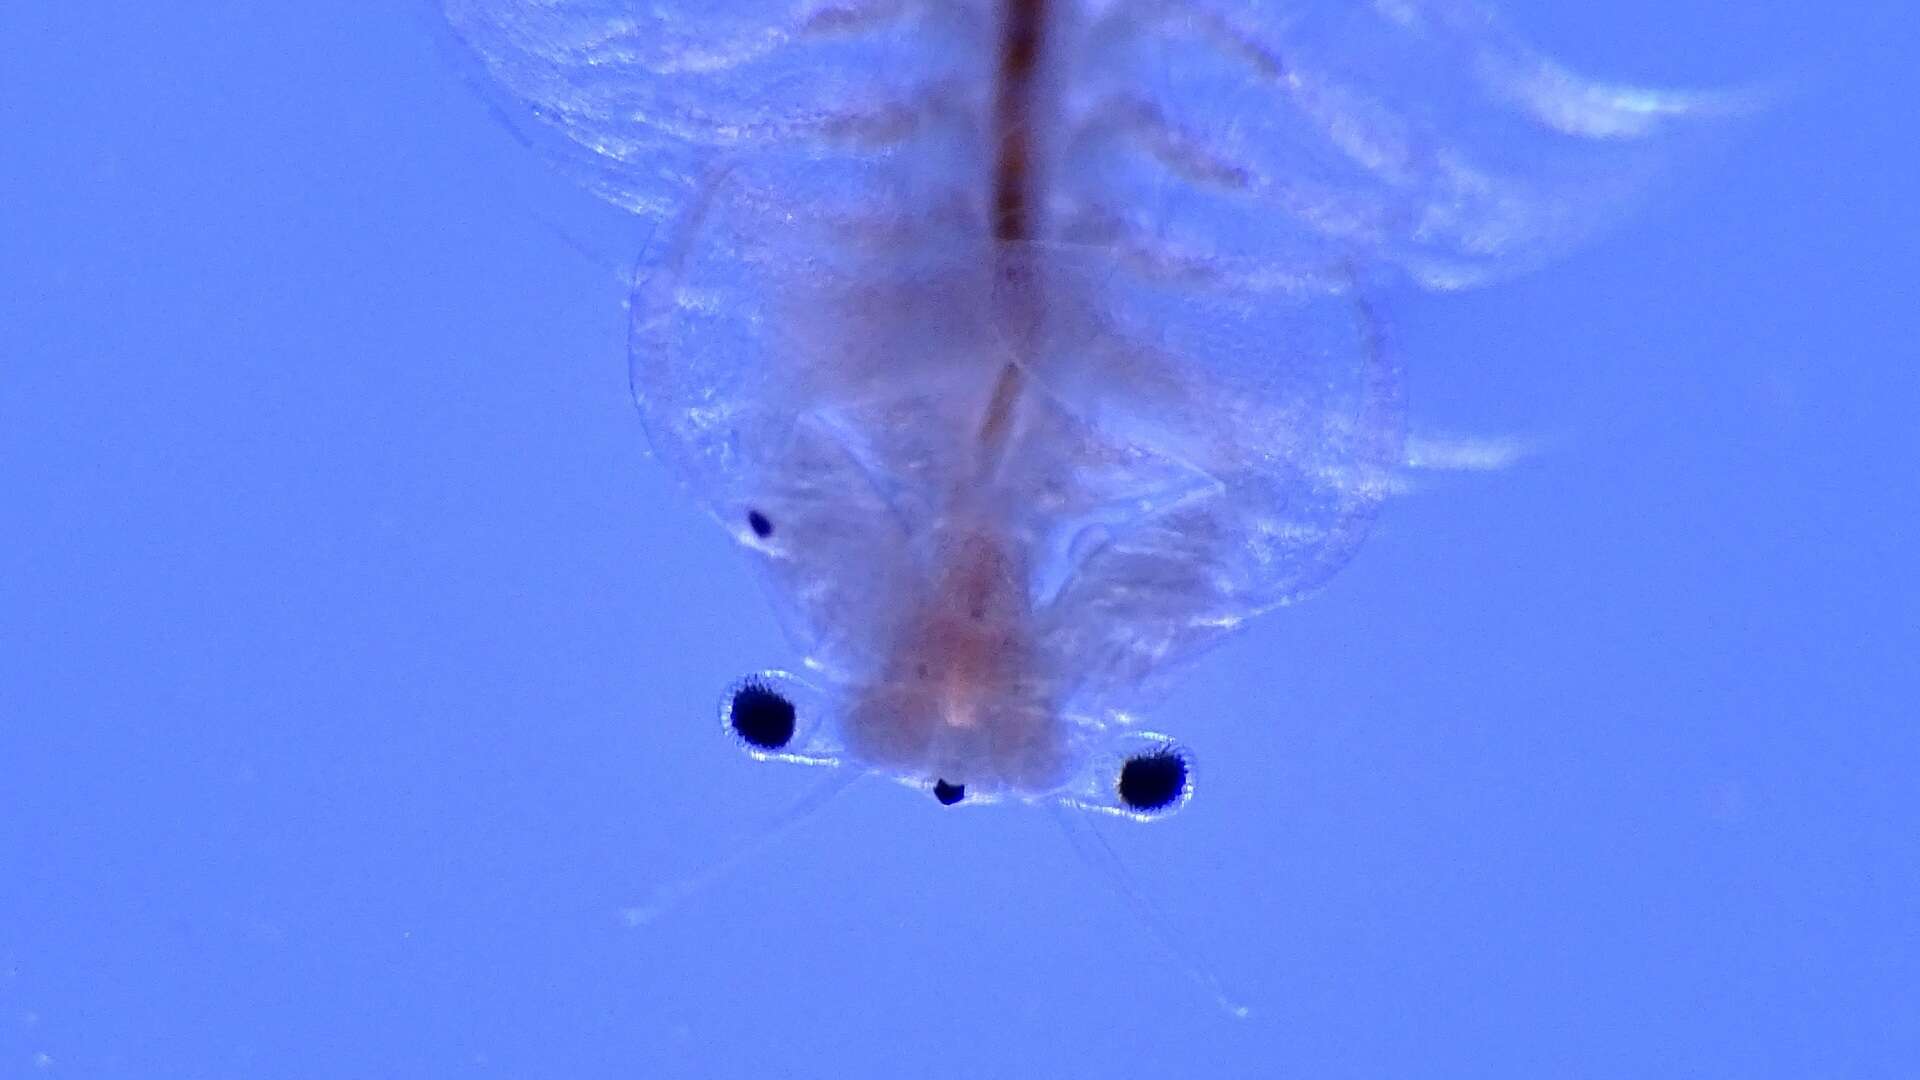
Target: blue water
357,666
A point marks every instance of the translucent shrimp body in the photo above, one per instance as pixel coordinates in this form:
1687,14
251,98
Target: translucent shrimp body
1028,345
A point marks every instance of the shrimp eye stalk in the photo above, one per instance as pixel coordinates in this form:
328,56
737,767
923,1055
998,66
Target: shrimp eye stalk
1154,782
760,716
774,716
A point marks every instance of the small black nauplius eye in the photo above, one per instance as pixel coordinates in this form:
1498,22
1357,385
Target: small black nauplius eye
1154,781
761,715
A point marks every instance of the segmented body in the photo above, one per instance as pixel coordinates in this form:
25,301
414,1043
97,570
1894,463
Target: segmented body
1029,344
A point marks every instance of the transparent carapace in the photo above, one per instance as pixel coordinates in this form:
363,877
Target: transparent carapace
1031,347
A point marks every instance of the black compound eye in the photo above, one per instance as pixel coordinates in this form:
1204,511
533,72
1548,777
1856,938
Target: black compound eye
761,715
1155,781
948,794
761,524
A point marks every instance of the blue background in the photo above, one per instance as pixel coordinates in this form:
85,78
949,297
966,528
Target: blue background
357,667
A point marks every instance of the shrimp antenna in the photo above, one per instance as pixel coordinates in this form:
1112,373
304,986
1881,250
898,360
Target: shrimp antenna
668,895
1099,857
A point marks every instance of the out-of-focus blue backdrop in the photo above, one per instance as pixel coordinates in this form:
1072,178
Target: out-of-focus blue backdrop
357,666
